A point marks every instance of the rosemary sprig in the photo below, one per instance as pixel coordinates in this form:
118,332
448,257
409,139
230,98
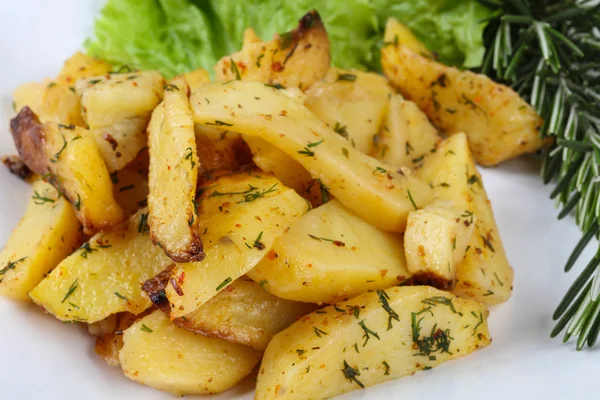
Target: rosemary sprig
549,52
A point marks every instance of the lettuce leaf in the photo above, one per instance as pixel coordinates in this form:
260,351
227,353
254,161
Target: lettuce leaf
175,36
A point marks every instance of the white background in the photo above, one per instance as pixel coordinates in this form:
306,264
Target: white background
42,358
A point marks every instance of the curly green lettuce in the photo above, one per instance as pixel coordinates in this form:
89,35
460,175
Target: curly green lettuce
175,36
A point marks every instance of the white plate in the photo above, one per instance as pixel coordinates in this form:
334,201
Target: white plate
40,357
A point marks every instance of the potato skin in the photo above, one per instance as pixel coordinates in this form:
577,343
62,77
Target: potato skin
500,125
370,339
484,273
352,257
376,192
47,233
244,313
298,58
166,357
28,135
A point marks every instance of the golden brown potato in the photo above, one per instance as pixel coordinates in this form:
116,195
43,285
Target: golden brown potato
46,234
109,344
270,159
397,33
297,58
80,66
484,274
406,135
130,188
220,150
196,78
435,241
31,95
370,339
240,217
173,175
17,167
117,108
78,170
352,103
244,313
329,255
376,192
61,104
104,276
28,133
159,354
500,125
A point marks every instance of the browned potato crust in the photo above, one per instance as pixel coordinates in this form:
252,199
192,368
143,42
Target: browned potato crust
27,133
297,58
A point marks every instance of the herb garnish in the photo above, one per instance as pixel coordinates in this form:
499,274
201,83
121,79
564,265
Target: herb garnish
146,329
39,199
351,374
275,85
143,227
218,123
368,333
411,199
433,301
383,299
346,77
337,243
319,332
234,69
387,368
340,130
11,265
224,283
190,156
71,290
119,295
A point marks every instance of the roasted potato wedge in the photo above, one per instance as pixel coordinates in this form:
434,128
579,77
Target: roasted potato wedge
197,78
80,66
220,150
329,255
244,313
68,156
240,217
375,192
173,176
395,333
352,103
435,242
297,58
397,33
47,233
500,125
104,276
406,135
159,354
130,188
61,104
270,159
485,273
31,95
109,343
17,167
28,135
117,108
78,170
